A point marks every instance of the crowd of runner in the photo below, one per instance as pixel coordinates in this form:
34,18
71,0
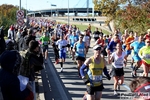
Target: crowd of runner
70,41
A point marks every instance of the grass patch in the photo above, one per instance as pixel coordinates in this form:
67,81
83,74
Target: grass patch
84,27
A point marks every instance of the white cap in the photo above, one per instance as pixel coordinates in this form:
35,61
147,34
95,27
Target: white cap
97,47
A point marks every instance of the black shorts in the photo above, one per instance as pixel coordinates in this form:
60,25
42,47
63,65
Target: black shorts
80,58
45,47
117,72
91,90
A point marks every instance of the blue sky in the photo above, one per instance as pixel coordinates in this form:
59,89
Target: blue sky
45,4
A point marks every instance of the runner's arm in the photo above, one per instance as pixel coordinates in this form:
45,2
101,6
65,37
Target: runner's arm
74,47
111,58
84,66
96,42
140,53
85,49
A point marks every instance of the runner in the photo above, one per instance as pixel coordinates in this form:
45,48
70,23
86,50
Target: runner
80,50
112,46
86,39
62,44
117,66
147,35
124,37
136,46
54,39
95,66
67,37
45,41
128,41
144,54
101,42
73,39
96,34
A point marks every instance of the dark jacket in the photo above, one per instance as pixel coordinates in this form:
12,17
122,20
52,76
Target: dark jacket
2,41
9,82
32,63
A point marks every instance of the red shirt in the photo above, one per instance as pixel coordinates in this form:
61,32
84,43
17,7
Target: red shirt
100,42
147,36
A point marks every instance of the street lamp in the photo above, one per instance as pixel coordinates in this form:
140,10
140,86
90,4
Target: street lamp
19,4
93,9
51,8
68,12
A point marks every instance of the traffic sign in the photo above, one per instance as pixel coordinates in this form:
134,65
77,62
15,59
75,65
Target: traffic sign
20,14
20,22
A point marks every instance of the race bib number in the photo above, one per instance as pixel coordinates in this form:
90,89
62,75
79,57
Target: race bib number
97,77
119,62
147,56
96,35
80,50
75,39
45,42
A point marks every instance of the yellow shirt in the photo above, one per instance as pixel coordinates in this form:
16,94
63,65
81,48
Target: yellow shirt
95,72
144,53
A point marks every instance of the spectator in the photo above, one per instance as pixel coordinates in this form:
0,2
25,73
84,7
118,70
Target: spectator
33,62
10,61
2,40
11,33
139,86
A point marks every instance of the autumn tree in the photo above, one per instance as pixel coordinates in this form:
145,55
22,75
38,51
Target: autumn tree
7,16
131,14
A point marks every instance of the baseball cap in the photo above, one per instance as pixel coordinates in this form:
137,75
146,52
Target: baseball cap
97,47
148,30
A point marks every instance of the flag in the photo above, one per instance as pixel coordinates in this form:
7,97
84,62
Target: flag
53,5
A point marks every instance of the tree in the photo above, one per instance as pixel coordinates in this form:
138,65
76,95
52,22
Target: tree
7,16
125,13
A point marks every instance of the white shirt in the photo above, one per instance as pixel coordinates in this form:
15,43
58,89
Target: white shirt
18,35
68,36
11,34
61,43
86,39
118,61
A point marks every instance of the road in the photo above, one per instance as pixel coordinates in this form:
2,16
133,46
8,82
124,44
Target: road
68,86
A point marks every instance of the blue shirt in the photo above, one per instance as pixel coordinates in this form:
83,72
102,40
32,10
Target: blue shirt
73,39
136,47
80,48
112,46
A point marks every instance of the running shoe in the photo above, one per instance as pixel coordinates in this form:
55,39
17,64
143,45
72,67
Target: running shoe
133,75
140,74
118,87
131,67
115,93
61,70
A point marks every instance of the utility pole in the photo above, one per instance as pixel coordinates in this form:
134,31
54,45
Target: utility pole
87,8
68,12
26,9
19,4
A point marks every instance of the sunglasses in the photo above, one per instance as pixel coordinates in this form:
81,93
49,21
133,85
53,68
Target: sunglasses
81,37
147,41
